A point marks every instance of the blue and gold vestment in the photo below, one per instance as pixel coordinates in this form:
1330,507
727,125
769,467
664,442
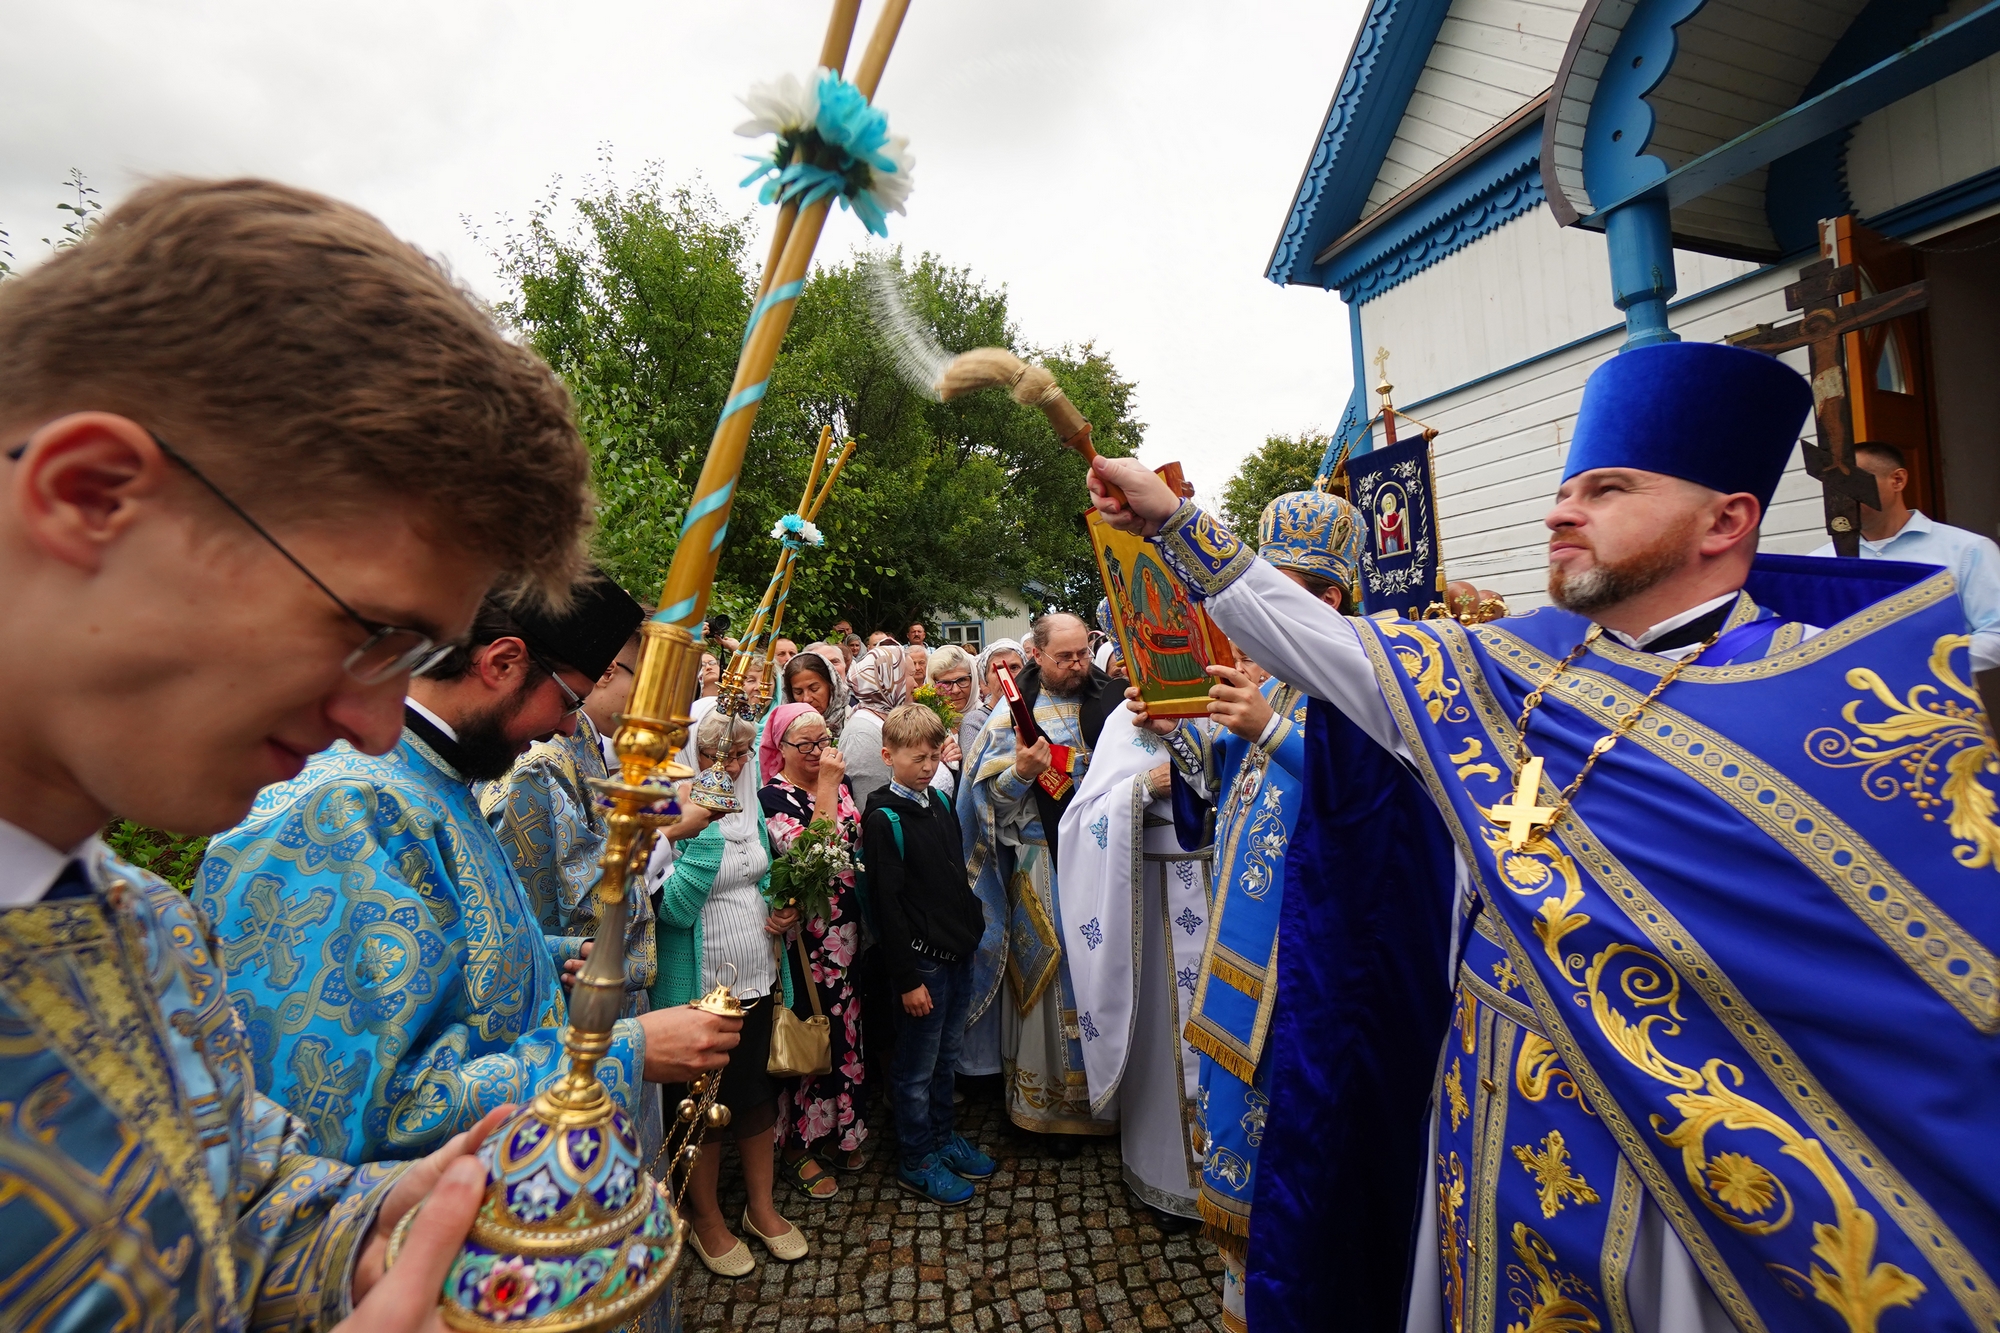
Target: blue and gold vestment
1236,987
144,1182
393,976
1747,980
547,818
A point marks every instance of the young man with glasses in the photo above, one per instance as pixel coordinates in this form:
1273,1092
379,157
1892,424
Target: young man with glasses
412,987
262,459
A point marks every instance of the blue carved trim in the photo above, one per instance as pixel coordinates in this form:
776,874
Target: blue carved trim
1498,187
1615,161
1381,71
1354,421
1811,182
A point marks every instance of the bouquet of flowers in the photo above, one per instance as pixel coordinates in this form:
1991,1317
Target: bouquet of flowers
803,877
928,696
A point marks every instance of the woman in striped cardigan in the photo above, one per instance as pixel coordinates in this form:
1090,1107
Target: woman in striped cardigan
713,924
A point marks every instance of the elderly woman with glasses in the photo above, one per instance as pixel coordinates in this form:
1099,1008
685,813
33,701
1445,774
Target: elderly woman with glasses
716,925
805,780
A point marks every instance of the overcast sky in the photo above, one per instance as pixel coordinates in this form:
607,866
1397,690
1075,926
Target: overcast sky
1122,166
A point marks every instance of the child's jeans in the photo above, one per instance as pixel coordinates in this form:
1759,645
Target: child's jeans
926,1054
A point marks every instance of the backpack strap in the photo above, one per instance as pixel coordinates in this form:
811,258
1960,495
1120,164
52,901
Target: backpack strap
896,828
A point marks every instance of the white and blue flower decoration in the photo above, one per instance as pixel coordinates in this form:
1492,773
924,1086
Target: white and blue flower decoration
794,532
848,154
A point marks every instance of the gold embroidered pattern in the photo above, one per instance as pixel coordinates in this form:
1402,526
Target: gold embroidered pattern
1933,739
1851,1282
1450,1206
1503,975
1949,958
1554,1180
1423,661
1538,1070
1454,1090
1545,1296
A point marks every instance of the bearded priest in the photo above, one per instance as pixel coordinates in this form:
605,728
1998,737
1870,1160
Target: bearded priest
1722,1041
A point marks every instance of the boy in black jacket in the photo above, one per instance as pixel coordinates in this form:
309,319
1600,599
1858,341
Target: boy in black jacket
929,924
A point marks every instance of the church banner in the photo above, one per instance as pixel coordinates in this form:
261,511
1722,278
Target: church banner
1399,559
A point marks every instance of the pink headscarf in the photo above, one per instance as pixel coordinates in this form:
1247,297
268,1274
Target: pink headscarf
878,681
771,760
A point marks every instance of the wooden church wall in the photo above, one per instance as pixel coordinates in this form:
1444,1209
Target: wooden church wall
1511,296
1930,139
1491,57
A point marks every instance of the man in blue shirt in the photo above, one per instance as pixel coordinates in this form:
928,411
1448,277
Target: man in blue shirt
1898,532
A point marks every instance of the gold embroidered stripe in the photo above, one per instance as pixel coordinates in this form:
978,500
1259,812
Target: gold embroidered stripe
1203,1039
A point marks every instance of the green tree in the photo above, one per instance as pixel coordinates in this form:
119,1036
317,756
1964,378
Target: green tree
1282,463
943,508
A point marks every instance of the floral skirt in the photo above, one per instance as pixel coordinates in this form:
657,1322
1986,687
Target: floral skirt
827,1109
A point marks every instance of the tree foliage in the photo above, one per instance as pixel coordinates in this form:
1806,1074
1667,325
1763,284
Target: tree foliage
1282,463
943,508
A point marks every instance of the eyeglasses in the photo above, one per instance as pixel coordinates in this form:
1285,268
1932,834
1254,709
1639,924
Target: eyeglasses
1069,659
953,682
387,652
807,747
572,701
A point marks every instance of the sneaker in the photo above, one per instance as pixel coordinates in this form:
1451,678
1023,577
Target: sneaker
962,1159
931,1179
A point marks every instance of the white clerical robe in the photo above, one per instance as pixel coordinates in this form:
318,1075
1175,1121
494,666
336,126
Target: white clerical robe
1134,917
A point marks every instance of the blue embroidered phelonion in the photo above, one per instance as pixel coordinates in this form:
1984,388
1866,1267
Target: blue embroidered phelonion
842,146
796,533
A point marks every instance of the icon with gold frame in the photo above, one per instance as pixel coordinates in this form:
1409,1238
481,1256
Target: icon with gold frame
1166,637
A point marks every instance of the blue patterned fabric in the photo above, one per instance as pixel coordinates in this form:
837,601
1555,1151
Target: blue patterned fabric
1751,975
385,958
546,816
1236,987
144,1182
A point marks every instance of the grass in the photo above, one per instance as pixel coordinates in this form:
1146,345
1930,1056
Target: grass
173,858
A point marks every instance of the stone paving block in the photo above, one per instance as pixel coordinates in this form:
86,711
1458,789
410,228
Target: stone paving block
1044,1245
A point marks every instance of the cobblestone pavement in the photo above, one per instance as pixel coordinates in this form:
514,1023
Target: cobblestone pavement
1044,1245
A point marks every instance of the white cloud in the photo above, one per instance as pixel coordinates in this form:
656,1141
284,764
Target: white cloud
1122,166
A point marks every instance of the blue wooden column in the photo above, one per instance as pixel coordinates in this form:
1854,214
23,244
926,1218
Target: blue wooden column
1616,166
1642,269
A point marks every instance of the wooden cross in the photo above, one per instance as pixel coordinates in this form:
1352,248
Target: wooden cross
1521,817
1824,330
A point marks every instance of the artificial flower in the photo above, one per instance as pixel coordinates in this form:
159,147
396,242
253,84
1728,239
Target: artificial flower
784,106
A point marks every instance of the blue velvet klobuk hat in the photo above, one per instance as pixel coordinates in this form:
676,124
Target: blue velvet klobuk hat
1719,416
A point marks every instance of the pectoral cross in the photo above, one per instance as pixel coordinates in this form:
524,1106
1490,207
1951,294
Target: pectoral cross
1522,818
1823,330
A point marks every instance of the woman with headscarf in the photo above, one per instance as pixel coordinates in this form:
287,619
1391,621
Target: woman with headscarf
715,925
832,669
879,682
986,690
804,781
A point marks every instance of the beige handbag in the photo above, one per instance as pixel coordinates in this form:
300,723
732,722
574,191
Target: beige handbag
799,1046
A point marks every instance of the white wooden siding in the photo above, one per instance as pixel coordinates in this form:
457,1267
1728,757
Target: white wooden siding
1490,59
1502,442
1930,139
1510,295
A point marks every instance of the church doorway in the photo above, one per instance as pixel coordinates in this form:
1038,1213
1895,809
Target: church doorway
1929,382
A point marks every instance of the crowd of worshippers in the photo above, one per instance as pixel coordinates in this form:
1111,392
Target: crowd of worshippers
292,547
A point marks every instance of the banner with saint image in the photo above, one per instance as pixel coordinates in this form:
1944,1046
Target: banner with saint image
1399,560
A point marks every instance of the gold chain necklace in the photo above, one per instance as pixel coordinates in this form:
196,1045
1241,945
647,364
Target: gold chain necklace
1522,818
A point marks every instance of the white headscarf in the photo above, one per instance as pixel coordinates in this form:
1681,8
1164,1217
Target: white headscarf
985,660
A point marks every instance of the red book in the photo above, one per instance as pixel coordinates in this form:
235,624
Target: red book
1056,779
